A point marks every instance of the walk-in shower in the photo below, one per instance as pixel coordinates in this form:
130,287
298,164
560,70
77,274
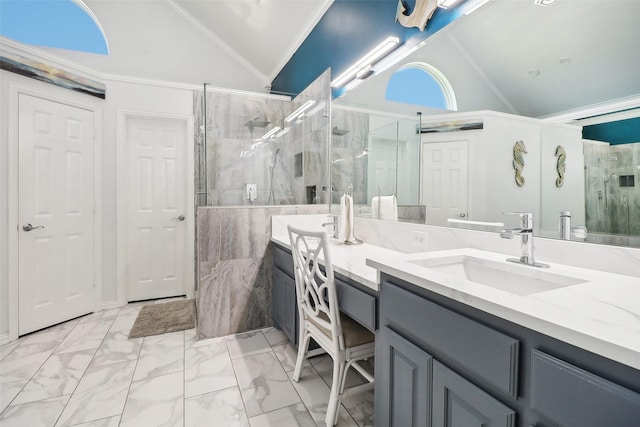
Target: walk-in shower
612,197
247,146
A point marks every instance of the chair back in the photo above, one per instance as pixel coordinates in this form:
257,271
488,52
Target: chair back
316,292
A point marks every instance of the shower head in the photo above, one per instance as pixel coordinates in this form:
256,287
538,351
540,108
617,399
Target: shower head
256,123
339,132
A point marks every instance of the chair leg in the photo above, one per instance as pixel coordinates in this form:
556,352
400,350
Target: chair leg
303,345
334,397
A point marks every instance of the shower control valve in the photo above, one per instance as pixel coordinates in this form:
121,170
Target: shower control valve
251,192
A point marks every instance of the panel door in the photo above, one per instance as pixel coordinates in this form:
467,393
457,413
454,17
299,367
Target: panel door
285,305
382,161
403,375
56,198
459,403
156,205
444,180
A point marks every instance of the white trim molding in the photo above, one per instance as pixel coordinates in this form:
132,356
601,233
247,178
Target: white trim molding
121,197
578,114
17,86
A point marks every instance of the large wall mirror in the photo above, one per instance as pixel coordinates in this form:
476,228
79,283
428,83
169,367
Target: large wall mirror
569,65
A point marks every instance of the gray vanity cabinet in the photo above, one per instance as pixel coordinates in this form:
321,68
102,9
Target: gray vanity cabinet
477,369
458,403
354,299
285,308
404,388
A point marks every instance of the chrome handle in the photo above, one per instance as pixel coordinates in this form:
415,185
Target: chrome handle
29,227
180,218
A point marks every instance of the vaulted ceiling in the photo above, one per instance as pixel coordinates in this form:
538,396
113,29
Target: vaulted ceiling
238,44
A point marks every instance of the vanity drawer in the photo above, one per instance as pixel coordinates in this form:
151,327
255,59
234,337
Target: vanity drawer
574,397
483,351
283,260
357,304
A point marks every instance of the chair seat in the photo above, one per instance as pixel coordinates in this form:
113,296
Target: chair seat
354,333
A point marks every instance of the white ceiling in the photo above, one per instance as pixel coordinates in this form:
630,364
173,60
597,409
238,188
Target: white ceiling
488,56
240,44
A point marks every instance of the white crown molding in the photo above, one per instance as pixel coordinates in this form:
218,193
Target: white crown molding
311,24
36,54
614,106
198,25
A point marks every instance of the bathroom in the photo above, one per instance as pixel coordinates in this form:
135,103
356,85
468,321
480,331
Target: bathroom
357,143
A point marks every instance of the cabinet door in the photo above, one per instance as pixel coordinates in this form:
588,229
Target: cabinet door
458,403
285,310
290,314
403,375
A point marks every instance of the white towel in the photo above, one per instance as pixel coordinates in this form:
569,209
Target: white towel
385,207
345,221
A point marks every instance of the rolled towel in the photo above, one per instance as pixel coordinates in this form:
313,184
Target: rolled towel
385,207
345,233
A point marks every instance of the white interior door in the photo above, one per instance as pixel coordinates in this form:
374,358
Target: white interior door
56,213
382,166
157,195
444,180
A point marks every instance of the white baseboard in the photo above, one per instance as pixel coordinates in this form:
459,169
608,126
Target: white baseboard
4,338
109,305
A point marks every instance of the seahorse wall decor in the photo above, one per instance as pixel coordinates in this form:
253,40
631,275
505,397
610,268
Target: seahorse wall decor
519,150
561,166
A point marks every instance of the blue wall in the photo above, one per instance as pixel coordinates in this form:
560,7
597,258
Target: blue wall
347,31
620,132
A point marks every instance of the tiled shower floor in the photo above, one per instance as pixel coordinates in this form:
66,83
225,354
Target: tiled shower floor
86,372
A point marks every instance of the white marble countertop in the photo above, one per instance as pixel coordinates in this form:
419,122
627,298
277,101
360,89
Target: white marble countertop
601,315
350,260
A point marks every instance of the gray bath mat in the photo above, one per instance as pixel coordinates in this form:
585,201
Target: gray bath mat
156,319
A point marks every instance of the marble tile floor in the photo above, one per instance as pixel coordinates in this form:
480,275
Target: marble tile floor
86,372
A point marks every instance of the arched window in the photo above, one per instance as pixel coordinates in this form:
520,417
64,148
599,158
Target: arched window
421,84
65,24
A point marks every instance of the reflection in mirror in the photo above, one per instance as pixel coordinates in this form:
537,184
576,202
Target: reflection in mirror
378,155
576,65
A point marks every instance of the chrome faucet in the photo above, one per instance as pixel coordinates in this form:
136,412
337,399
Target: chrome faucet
334,224
526,233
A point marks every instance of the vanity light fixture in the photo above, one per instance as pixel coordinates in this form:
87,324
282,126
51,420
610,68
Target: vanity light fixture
367,60
446,4
473,5
270,133
300,111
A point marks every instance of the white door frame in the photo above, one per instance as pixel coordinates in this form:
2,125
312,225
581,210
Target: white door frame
62,97
121,201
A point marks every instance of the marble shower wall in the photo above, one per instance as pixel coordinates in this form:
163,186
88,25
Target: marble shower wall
235,267
235,156
612,208
346,168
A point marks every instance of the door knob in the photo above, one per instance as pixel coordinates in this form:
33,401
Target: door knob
29,227
180,218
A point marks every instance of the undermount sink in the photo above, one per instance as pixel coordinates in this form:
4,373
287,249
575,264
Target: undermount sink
513,278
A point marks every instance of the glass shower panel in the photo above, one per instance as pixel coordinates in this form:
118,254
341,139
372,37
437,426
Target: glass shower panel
262,150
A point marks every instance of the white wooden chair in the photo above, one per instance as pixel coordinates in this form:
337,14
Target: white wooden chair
342,338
